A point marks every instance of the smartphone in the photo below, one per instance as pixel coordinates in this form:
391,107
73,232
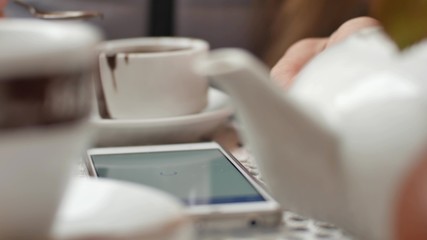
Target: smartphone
218,191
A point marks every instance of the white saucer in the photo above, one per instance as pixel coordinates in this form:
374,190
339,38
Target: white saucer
189,128
108,209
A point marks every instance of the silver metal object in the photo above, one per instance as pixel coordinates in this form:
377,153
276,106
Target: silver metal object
58,15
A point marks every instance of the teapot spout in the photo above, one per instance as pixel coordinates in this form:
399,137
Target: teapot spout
294,148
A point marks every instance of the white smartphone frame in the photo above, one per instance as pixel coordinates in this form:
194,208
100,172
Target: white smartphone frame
245,214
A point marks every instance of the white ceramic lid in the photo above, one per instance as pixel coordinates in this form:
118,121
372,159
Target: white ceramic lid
31,47
108,209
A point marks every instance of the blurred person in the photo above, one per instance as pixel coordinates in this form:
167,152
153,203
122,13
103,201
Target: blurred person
281,23
410,213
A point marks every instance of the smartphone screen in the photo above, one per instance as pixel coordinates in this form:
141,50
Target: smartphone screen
197,177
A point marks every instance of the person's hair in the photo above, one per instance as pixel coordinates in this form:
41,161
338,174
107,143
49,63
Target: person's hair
287,21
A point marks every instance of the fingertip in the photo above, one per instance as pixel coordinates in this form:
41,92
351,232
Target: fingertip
299,54
350,27
411,208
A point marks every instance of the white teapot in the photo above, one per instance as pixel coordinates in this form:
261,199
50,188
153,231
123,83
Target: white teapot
337,145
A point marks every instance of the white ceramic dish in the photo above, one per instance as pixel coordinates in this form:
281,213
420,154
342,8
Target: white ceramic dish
108,209
189,128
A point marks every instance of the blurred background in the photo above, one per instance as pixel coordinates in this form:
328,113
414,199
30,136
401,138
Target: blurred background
265,27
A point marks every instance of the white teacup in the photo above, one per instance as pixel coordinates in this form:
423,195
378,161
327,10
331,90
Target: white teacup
45,101
151,77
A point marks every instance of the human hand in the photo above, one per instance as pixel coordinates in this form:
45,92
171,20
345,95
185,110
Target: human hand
410,213
299,54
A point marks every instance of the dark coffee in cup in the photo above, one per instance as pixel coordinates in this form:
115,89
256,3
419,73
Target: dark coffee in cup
152,49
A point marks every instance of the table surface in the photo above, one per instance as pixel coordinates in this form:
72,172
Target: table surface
293,227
